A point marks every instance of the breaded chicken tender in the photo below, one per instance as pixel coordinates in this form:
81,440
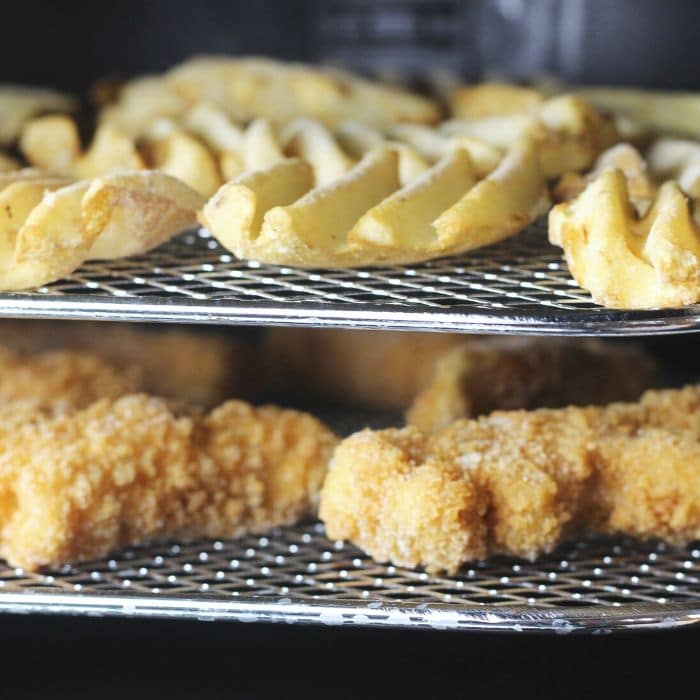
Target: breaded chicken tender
60,381
443,376
519,482
200,368
477,377
117,473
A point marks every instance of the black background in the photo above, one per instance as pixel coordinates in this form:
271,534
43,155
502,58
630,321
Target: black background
70,44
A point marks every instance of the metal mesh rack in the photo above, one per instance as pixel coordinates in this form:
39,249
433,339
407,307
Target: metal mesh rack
296,575
519,286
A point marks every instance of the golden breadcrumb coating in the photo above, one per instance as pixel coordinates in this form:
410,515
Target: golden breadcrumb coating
60,381
477,377
200,368
120,472
519,482
444,376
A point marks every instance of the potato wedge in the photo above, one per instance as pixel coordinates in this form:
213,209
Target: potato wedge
260,148
314,229
130,213
111,151
404,220
234,215
311,141
8,164
51,143
502,204
50,244
176,153
214,127
491,99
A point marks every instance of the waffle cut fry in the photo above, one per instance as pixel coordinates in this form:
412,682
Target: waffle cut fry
366,216
49,226
626,260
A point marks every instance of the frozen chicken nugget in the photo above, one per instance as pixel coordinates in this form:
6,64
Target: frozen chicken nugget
519,482
122,472
234,215
478,376
130,213
626,261
500,205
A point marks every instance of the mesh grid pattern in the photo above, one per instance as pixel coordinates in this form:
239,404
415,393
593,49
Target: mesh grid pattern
293,567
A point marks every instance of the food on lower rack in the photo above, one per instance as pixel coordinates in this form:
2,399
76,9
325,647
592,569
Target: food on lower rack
255,87
568,133
366,217
123,472
518,483
480,376
440,377
626,260
19,104
59,381
200,368
49,228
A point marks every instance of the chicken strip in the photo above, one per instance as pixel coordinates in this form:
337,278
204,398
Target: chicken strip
60,381
519,482
440,377
200,368
477,377
122,471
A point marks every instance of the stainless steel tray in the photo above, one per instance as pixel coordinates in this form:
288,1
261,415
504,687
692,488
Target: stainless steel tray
519,286
295,575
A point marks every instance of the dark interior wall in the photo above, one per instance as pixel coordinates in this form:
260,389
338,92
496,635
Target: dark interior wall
69,44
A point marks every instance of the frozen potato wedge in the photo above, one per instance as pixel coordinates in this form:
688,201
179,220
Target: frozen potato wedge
51,143
624,260
405,219
111,151
260,147
130,213
214,127
234,215
8,164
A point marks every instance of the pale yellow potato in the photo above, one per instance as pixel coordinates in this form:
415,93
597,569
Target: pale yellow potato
7,163
234,215
404,220
51,242
678,159
19,104
357,139
214,127
260,147
141,103
491,99
666,112
280,92
130,213
313,231
51,143
111,151
176,153
626,261
311,141
500,205
230,165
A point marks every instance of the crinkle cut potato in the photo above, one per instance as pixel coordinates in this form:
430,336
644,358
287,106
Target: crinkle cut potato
49,226
365,217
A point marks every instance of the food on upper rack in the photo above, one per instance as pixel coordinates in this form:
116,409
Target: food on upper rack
20,103
136,469
440,377
50,226
366,216
518,483
58,381
626,259
246,88
200,368
478,376
568,133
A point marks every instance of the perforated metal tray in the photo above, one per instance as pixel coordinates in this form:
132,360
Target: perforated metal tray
519,286
295,575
